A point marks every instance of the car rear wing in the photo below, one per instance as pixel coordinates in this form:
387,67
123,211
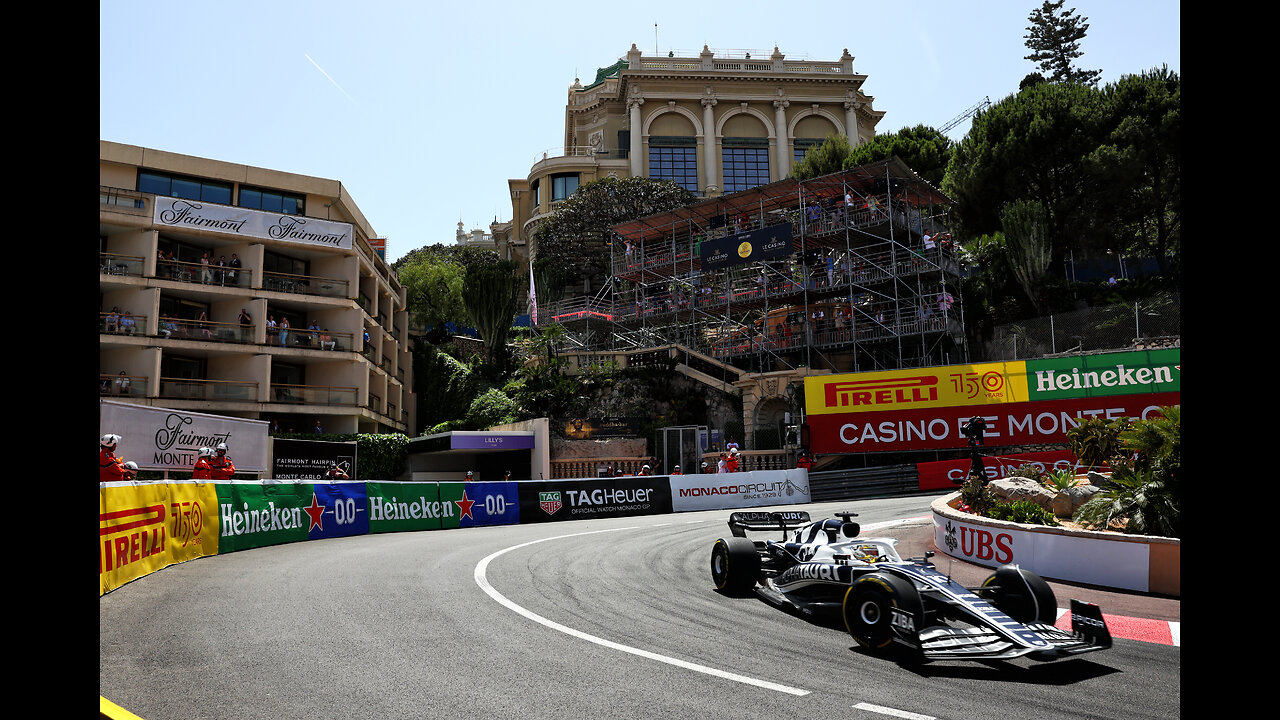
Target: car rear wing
740,522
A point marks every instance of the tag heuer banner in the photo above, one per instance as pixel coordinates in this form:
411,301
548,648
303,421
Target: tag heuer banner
581,499
768,243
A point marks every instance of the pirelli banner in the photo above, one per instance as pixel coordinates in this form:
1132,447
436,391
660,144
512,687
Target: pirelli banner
1022,402
143,527
764,244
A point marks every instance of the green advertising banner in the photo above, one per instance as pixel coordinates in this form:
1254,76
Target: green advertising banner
256,515
1087,376
402,507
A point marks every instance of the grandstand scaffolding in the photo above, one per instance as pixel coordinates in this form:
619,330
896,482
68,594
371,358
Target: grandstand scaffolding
849,282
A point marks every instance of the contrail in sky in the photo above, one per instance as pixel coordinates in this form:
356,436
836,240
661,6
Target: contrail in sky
322,72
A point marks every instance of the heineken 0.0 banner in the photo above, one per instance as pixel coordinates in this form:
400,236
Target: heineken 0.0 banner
256,515
406,507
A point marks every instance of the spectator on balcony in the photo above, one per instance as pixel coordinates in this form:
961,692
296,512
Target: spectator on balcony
271,328
206,273
112,323
327,342
315,333
168,328
246,321
234,272
202,324
284,331
127,325
318,429
122,384
222,269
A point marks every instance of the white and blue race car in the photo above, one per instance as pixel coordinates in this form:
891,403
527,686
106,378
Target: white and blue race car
824,567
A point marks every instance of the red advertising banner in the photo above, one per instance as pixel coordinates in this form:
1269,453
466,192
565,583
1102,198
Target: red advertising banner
948,474
938,428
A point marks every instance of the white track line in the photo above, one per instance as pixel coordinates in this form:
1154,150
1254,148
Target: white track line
483,582
892,712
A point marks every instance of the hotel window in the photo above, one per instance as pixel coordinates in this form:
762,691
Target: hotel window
536,188
562,186
183,187
674,158
271,201
802,146
283,264
746,163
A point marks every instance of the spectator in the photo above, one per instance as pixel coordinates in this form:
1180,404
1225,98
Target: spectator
122,384
470,476
721,466
110,467
803,461
221,467
318,429
676,470
233,273
127,324
314,328
336,473
327,341
731,462
112,323
202,323
644,470
271,328
284,331
705,469
203,469
206,274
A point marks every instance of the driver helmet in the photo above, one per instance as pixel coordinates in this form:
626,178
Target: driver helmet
206,452
110,440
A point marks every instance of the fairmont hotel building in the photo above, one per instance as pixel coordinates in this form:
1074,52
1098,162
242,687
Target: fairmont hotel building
247,292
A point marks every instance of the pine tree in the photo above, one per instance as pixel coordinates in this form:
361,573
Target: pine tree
1054,41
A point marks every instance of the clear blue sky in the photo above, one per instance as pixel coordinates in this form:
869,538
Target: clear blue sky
424,110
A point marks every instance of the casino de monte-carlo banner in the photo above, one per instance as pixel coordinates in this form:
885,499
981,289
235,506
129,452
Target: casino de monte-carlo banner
1022,402
196,215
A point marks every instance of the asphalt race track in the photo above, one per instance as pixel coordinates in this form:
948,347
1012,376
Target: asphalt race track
610,618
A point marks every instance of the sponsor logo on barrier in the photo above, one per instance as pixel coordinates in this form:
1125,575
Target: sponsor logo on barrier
855,393
978,543
749,490
267,519
421,509
143,535
549,502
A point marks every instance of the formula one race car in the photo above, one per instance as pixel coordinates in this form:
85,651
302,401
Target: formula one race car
824,567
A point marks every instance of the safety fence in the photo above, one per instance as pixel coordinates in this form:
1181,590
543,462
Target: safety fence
146,526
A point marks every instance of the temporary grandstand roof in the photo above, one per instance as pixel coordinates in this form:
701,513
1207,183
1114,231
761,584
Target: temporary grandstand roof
785,195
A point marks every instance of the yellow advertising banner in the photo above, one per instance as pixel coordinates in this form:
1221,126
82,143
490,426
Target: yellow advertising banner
143,528
917,388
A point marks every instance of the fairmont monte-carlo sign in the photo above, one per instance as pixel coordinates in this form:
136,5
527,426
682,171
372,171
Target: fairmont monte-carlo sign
179,213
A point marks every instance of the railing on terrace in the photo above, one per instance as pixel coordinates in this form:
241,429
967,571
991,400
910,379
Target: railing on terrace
124,323
183,329
304,284
306,338
115,264
375,403
313,394
121,197
193,389
189,272
122,385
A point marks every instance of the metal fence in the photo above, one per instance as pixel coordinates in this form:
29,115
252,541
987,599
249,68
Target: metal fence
1149,323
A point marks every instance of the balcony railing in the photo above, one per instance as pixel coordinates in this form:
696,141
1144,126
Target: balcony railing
203,274
124,323
304,284
114,264
122,385
311,339
182,329
195,389
313,394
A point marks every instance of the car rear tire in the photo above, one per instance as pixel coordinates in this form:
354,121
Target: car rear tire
735,565
1021,594
868,608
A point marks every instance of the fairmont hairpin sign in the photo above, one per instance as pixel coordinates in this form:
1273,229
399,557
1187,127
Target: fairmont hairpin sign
176,212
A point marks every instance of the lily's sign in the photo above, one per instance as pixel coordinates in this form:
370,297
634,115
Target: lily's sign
1033,401
190,214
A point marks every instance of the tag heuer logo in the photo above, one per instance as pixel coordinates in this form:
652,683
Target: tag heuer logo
549,502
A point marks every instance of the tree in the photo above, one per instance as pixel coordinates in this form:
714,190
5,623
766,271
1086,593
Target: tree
1028,247
827,158
1032,146
490,295
1054,41
433,291
923,148
1141,161
577,235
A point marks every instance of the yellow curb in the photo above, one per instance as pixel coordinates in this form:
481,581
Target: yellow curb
112,711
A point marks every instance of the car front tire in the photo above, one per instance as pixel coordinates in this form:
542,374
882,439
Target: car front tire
735,565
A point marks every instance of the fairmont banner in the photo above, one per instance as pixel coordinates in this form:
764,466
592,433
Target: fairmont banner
764,244
163,439
194,215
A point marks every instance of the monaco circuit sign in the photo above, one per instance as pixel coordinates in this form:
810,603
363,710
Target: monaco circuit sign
1022,402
